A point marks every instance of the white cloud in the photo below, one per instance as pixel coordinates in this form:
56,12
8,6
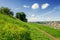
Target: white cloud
44,6
32,15
35,6
17,8
33,19
25,6
36,19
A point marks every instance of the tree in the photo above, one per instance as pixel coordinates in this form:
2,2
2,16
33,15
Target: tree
7,11
21,16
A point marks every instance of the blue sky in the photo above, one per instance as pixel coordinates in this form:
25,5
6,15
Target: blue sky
36,10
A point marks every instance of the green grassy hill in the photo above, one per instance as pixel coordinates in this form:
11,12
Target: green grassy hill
14,29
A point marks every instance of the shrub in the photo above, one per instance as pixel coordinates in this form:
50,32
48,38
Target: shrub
7,11
21,16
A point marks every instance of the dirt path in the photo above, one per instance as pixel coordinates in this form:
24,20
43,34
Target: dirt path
47,34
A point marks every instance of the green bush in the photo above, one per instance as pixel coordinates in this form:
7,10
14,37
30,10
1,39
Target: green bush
21,16
7,11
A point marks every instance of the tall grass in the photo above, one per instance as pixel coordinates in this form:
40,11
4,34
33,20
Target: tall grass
10,29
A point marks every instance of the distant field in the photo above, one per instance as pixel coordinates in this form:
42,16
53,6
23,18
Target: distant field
53,24
48,29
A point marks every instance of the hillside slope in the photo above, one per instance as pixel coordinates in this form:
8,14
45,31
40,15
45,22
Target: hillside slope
14,29
11,29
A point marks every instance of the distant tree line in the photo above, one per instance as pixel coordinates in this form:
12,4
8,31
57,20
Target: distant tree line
19,15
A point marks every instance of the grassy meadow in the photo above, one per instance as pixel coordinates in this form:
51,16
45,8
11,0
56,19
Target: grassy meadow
13,29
